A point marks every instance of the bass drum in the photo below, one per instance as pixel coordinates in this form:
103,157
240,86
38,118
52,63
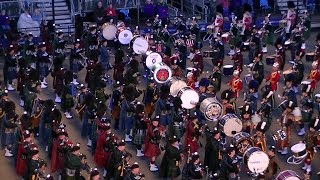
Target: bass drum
161,73
242,142
287,175
189,97
230,124
152,59
109,32
211,109
256,160
175,85
125,37
139,45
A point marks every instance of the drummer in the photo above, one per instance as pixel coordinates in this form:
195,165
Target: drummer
237,58
280,54
306,106
236,84
177,71
273,166
246,114
266,106
203,84
290,17
314,75
252,96
274,77
218,49
259,137
289,93
228,101
216,77
311,140
257,69
191,80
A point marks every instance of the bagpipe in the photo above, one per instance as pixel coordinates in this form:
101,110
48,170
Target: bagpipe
86,166
40,173
263,30
37,108
124,166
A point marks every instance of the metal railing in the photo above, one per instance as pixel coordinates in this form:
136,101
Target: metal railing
12,7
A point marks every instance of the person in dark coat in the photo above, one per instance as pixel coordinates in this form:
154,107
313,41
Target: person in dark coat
229,165
212,152
99,14
74,161
10,68
193,170
116,161
36,166
169,167
134,173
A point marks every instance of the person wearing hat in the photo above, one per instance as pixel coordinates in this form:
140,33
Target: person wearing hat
150,98
96,125
268,34
116,161
68,93
289,92
92,43
23,149
257,69
212,152
215,77
298,67
105,56
29,49
229,168
259,137
163,106
311,141
140,125
9,128
252,96
290,17
134,173
236,84
59,148
237,58
246,113
218,22
94,174
274,77
306,106
74,161
153,137
191,80
247,20
192,169
254,44
43,64
228,101
273,167
198,62
81,100
193,132
286,123
280,54
177,71
116,99
267,104
177,127
59,45
306,25
36,166
314,75
10,68
172,157
76,60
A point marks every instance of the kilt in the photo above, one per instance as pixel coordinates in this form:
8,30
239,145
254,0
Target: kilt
152,150
149,109
128,124
10,138
43,69
101,158
76,66
194,145
116,112
12,73
67,102
139,136
268,39
165,120
306,116
21,164
173,170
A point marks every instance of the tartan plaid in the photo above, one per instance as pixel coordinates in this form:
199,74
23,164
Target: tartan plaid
139,138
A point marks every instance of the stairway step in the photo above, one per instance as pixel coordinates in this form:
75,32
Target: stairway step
60,17
62,12
56,4
63,21
57,8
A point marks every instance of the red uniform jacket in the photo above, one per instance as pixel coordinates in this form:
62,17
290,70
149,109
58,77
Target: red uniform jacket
198,61
274,78
247,20
219,22
236,86
314,77
21,165
191,83
151,146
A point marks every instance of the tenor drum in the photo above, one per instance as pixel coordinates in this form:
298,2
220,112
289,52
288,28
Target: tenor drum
242,142
140,45
175,85
152,59
299,153
310,57
283,105
228,70
211,109
287,175
256,160
161,72
270,60
230,124
282,23
109,32
225,37
189,97
297,114
248,78
125,36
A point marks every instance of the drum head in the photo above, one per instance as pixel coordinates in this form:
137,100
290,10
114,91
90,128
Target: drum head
211,109
162,73
152,59
243,142
232,125
298,148
176,86
305,82
287,175
125,36
109,32
258,162
189,98
228,66
225,35
140,45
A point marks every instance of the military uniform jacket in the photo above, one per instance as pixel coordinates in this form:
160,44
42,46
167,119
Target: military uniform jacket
258,71
170,163
228,166
75,54
299,67
211,157
216,79
33,168
149,95
43,57
116,160
10,62
73,163
290,95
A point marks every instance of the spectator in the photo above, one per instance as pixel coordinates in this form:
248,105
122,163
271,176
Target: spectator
162,11
99,14
149,9
110,13
311,5
37,16
26,24
4,21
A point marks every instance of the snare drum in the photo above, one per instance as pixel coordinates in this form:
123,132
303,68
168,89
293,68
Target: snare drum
209,54
270,60
310,57
140,45
125,36
152,59
228,70
242,142
175,85
282,106
287,175
230,124
299,153
297,114
189,97
225,37
256,160
109,32
161,72
283,23
248,78
211,109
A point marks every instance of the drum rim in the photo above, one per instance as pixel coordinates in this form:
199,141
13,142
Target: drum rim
228,66
153,53
204,109
297,145
291,172
162,67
